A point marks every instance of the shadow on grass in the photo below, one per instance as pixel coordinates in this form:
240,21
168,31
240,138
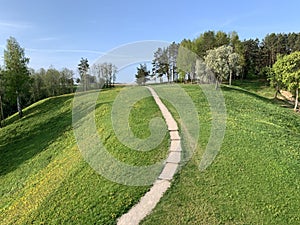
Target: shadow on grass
274,101
252,85
41,125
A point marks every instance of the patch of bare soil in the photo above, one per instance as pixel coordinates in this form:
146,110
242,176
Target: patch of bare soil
287,97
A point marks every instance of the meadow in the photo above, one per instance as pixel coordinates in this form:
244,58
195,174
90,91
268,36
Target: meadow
43,176
254,179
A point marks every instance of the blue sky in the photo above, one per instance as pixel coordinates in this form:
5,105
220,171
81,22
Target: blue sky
59,33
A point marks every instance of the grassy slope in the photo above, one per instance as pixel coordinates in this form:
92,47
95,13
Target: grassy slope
43,176
255,178
260,87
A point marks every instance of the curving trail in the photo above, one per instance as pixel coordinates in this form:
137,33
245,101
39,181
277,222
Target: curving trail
148,202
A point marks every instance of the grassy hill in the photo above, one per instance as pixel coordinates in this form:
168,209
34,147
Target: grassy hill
43,176
254,179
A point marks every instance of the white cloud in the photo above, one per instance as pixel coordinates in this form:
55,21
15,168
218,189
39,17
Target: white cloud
14,25
65,51
47,39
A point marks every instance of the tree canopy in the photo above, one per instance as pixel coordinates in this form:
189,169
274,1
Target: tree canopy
16,73
287,72
83,68
142,75
223,62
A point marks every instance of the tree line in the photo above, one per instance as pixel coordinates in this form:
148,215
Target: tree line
224,56
21,86
249,58
99,75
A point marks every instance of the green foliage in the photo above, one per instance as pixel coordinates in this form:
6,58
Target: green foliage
24,86
51,82
142,75
16,73
2,91
106,74
83,68
207,41
253,180
287,72
165,62
253,55
186,60
202,71
222,61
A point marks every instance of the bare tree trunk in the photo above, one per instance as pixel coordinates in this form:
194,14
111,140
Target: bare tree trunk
218,82
84,82
277,91
296,99
19,106
230,77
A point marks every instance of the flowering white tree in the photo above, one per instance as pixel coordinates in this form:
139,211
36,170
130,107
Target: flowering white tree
222,61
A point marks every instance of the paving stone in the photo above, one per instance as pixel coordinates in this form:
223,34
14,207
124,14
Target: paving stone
168,171
152,197
174,157
174,135
146,204
172,125
175,146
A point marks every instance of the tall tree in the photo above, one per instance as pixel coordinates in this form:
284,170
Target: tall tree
142,74
251,55
202,72
172,58
186,59
238,48
287,70
83,68
105,73
221,38
114,75
269,49
234,64
66,80
16,72
222,62
161,66
275,79
293,42
38,84
205,42
52,82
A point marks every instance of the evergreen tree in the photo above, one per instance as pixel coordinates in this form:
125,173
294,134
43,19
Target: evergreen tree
83,68
142,74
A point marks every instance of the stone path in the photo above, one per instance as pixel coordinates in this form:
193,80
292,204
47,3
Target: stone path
152,197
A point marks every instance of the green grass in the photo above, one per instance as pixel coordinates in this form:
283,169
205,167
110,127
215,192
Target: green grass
254,179
260,87
43,176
